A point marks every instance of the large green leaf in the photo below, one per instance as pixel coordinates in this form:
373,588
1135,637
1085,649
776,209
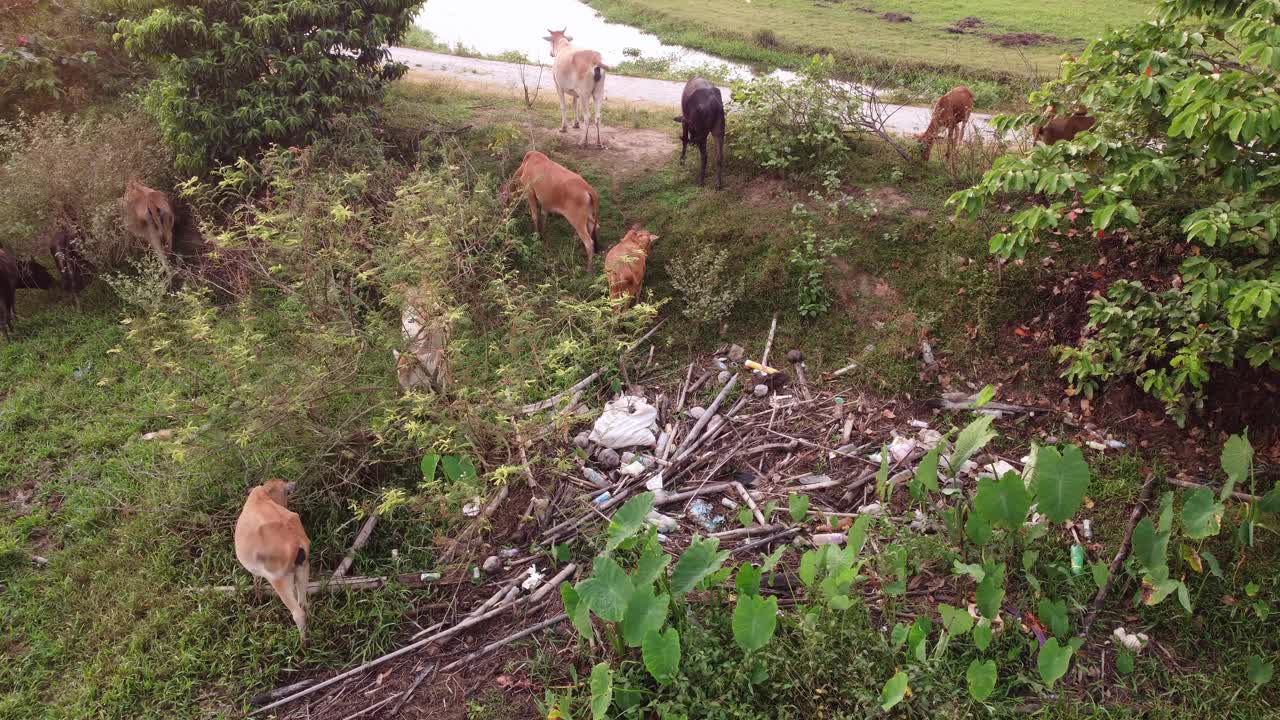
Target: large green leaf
918,636
971,439
809,562
991,591
1053,661
1054,614
607,591
458,469
428,465
1237,457
1061,482
747,581
927,470
755,619
697,562
1270,502
797,507
645,612
577,610
1201,514
1004,502
1150,548
661,653
1260,671
652,562
957,621
977,529
856,538
982,634
601,690
893,691
981,677
628,520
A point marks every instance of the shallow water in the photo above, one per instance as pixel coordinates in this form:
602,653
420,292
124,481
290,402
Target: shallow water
495,26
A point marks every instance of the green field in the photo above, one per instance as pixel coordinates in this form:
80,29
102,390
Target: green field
785,32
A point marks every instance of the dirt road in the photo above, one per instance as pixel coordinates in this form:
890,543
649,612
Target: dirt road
906,119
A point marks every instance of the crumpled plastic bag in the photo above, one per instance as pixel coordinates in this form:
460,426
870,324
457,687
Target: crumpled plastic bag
628,421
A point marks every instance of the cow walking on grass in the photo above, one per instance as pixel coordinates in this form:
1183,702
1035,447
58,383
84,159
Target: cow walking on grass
552,188
578,73
16,275
271,544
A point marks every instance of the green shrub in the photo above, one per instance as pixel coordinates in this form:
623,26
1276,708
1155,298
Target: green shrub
1187,126
795,127
709,290
239,75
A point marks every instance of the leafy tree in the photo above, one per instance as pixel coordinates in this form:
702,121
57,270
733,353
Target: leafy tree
1183,158
239,74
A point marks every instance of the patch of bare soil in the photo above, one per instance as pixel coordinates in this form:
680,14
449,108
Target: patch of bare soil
1023,39
894,17
888,200
764,191
964,24
626,151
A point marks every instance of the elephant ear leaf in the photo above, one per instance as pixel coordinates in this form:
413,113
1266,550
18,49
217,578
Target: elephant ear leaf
1062,479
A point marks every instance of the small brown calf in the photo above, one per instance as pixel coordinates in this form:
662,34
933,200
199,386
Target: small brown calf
149,216
271,544
552,188
1065,128
950,113
624,265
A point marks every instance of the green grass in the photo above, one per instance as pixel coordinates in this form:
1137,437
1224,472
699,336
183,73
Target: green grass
919,56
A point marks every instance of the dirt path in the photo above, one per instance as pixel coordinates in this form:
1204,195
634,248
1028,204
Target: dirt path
907,119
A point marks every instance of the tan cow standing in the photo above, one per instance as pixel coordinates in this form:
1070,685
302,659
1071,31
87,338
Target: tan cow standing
625,263
149,216
271,544
551,187
578,73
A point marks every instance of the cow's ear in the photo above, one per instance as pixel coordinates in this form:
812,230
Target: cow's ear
548,38
679,119
290,487
569,38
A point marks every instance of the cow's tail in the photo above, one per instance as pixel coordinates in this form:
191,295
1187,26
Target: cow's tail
595,220
599,73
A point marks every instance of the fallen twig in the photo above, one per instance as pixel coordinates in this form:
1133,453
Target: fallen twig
768,345
371,708
766,540
279,692
362,537
706,417
1139,509
750,501
551,401
1191,484
404,697
504,641
412,579
747,531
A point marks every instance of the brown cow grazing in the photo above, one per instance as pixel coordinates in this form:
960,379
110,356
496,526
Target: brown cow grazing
552,188
74,270
149,216
271,544
702,114
624,265
950,113
15,275
578,73
1059,129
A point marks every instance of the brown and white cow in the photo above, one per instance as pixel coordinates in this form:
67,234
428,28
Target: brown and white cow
578,73
271,544
1062,128
552,188
625,263
149,216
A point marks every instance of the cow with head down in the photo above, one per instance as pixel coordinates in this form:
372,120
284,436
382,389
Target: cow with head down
701,116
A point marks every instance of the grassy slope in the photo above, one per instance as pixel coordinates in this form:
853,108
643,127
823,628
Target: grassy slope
843,27
108,629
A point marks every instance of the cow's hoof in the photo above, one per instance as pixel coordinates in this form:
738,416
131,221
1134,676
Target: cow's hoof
576,126
564,129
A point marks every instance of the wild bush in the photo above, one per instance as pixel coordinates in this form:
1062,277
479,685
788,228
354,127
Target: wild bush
75,168
57,55
1186,110
707,286
795,127
239,75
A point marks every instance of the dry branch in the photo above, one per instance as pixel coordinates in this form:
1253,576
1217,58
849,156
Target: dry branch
551,401
362,537
1139,509
1192,485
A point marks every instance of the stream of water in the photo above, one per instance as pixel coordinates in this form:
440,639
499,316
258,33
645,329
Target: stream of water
496,26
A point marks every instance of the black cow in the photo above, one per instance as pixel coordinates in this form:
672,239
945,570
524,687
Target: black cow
14,275
702,114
